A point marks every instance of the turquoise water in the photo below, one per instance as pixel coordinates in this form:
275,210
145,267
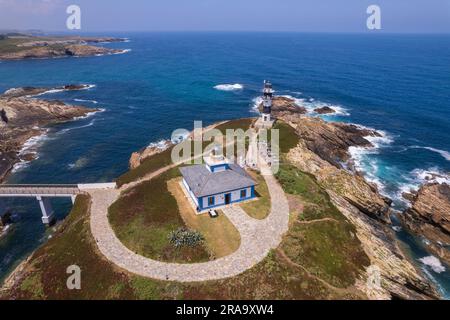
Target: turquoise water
399,84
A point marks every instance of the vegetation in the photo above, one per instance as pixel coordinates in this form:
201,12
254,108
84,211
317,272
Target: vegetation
144,218
329,247
185,238
259,208
147,166
221,236
319,257
288,137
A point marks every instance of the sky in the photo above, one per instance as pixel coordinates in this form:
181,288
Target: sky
397,16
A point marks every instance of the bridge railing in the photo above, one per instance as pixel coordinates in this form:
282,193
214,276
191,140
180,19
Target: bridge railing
40,189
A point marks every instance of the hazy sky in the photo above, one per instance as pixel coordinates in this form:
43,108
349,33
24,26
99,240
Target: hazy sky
228,15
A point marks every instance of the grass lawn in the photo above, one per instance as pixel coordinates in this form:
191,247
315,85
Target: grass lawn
144,217
260,208
222,238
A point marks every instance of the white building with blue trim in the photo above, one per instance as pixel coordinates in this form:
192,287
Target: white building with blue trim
217,183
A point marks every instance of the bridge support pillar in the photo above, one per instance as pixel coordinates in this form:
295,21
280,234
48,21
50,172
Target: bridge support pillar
47,210
74,197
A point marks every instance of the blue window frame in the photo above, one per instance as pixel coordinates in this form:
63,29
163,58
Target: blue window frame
211,201
243,193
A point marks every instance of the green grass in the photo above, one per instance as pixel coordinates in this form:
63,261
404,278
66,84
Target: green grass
260,208
329,248
273,278
147,166
288,137
144,217
321,250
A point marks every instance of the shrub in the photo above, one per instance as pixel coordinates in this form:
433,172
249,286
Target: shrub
183,237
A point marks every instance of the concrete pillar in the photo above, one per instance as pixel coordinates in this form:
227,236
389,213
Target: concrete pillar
47,210
74,197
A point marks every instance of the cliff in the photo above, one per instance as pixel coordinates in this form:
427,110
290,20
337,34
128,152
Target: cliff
323,151
429,217
23,117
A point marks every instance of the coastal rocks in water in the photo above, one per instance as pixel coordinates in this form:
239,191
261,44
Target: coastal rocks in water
324,110
137,157
331,141
284,105
399,279
34,91
352,187
5,219
26,118
429,217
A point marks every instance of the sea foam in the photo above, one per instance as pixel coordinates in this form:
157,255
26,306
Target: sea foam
229,87
434,263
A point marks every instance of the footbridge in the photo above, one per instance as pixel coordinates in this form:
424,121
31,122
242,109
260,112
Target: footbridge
44,192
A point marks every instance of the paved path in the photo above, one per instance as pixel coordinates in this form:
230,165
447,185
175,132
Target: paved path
257,239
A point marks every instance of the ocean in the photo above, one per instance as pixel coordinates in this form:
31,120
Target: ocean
398,84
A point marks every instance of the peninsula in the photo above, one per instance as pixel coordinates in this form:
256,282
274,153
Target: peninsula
22,46
339,228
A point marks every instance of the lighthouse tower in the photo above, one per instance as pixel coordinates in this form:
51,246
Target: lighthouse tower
267,102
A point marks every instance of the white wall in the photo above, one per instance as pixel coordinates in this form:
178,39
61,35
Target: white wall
194,198
220,198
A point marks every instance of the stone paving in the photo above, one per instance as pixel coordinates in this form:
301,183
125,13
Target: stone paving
258,237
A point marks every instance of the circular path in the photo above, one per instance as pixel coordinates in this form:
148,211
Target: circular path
258,237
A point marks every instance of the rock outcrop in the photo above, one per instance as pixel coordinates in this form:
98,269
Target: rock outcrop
324,110
323,151
26,118
284,106
139,156
429,217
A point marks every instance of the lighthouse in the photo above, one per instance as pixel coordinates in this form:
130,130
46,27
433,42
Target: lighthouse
267,102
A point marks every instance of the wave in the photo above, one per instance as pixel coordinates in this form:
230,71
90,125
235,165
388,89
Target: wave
229,87
57,90
362,161
82,100
90,124
434,263
80,163
443,153
89,114
256,102
30,147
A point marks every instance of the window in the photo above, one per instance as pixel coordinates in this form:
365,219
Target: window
210,201
243,194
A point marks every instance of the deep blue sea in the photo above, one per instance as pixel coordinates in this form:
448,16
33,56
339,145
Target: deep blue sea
399,84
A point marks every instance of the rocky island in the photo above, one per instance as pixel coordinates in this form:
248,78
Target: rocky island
17,47
23,116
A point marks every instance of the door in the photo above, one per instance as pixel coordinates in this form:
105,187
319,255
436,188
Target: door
228,198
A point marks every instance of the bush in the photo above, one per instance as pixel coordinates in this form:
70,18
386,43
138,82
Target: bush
185,238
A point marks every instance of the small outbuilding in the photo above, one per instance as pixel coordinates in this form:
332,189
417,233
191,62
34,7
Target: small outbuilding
217,183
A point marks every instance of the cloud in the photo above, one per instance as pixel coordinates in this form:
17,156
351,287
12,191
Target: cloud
30,7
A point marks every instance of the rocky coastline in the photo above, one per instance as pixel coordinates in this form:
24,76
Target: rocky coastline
323,151
28,47
23,117
429,217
